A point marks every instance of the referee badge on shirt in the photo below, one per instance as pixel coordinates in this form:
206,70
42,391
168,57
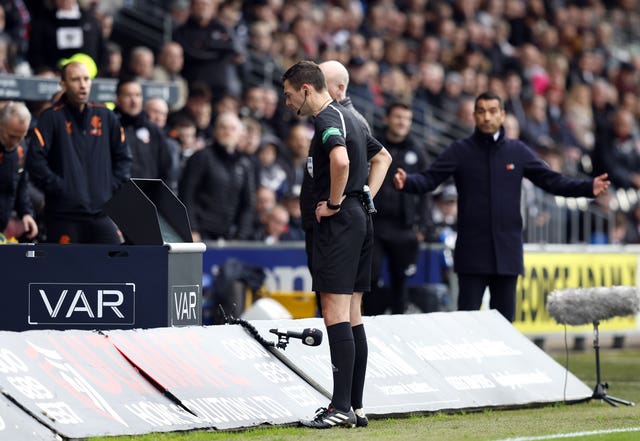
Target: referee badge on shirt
510,166
310,166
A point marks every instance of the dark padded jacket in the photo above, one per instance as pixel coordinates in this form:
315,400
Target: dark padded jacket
149,148
78,159
14,194
218,190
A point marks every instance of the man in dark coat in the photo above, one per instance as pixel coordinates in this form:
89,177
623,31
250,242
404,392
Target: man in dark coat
79,158
488,170
401,219
14,194
218,186
211,50
150,151
62,31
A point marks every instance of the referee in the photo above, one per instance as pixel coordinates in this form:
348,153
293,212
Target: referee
342,234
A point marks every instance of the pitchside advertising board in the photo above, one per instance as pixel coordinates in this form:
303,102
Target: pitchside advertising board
442,361
562,269
221,374
17,425
81,384
78,384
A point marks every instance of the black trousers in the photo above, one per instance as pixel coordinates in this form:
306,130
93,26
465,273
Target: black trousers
82,228
400,247
501,287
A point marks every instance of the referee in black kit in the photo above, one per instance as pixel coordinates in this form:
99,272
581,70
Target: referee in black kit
343,234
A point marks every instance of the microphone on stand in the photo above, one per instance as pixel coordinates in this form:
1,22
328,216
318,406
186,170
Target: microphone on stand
309,336
581,306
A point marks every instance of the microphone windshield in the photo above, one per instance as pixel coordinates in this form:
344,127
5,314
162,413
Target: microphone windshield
581,306
311,336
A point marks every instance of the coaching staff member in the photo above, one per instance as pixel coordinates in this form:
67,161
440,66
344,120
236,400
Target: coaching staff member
488,170
14,193
342,236
78,157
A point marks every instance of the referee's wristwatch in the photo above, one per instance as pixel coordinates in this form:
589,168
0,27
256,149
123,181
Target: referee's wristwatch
331,206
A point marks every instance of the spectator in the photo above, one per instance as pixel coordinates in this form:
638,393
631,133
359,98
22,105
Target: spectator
62,31
15,22
141,61
265,201
297,144
199,108
444,213
271,169
619,151
114,61
395,86
276,226
157,111
275,119
106,25
170,63
360,82
149,149
211,50
6,64
14,192
250,142
452,92
579,115
463,118
179,12
291,201
536,130
183,131
210,177
78,181
516,96
603,103
262,68
253,102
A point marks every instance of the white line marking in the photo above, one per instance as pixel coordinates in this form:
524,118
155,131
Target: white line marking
571,435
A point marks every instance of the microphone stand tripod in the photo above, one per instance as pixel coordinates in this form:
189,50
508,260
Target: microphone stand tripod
600,391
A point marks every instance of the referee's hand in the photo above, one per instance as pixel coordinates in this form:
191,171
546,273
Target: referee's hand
323,211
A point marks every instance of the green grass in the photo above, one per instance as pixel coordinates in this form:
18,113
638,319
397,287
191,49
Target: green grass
620,368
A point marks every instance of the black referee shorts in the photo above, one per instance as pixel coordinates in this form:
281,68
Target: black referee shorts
342,250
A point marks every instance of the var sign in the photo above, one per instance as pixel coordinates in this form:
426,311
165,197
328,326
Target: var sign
186,305
82,303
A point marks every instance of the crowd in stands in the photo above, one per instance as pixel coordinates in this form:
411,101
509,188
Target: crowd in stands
567,70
